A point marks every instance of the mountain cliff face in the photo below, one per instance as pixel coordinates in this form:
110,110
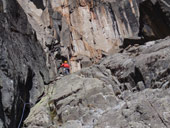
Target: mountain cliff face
83,31
37,35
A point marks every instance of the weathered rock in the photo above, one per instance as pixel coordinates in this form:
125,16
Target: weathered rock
23,70
100,108
87,28
70,103
115,93
83,32
148,66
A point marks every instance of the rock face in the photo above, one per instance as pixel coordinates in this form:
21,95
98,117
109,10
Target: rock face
23,70
127,89
82,31
37,35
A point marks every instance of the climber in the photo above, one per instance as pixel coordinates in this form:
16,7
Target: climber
66,68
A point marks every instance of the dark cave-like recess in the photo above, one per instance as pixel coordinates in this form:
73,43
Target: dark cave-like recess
39,4
23,97
154,23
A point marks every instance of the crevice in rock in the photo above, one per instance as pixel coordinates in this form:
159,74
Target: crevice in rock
137,76
113,17
26,95
29,79
40,97
65,96
132,41
22,99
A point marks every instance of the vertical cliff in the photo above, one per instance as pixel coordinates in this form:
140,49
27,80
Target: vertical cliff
23,70
83,31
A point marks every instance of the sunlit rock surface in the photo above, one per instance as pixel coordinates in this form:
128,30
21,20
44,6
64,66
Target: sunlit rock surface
127,89
37,35
69,29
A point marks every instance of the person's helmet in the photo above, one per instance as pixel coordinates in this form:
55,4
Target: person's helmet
65,61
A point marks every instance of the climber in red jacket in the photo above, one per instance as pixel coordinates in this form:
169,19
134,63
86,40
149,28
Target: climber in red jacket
66,68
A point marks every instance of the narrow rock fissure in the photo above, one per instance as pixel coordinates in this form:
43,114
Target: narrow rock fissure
138,76
132,41
65,96
115,26
23,105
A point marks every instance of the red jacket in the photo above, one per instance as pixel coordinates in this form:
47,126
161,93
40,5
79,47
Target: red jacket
65,65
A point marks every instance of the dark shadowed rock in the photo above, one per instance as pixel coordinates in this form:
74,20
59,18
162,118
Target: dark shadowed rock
23,69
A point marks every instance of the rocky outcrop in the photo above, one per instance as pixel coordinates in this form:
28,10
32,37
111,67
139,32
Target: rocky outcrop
83,31
127,89
23,70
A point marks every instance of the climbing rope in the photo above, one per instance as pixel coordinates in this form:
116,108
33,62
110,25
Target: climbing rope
22,112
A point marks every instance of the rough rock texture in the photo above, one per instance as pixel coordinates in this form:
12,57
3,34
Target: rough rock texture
83,31
125,90
23,70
